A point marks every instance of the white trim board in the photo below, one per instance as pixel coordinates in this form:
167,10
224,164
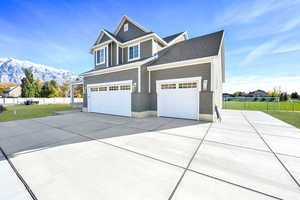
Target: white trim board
113,69
110,83
119,68
181,63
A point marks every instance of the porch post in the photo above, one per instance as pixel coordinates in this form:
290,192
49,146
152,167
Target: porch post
72,93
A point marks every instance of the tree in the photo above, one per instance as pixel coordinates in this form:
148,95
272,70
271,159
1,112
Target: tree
38,88
53,89
65,89
239,94
45,91
275,92
78,91
27,84
283,96
294,95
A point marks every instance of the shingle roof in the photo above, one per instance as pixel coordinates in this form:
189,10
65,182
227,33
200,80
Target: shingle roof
120,40
171,37
112,35
198,47
137,36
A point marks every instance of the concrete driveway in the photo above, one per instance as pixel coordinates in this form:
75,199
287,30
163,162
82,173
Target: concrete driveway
249,155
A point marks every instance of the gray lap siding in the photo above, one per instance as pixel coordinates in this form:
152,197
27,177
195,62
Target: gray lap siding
145,101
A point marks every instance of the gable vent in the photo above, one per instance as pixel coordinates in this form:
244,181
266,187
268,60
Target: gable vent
125,27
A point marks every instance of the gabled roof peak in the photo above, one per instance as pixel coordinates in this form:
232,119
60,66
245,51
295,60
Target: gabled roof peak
123,19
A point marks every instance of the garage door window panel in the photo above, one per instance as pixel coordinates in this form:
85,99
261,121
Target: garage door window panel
113,88
168,86
101,89
188,85
125,87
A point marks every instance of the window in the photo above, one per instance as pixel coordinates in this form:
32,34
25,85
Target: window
125,27
94,89
168,86
113,88
100,56
134,52
125,87
188,85
102,88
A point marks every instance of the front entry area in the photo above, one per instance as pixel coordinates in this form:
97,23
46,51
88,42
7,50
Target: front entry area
178,98
110,98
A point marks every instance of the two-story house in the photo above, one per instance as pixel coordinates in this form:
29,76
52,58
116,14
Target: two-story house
137,73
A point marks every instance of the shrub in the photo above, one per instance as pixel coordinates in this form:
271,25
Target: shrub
2,108
262,99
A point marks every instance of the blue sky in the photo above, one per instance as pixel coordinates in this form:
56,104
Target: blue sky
262,37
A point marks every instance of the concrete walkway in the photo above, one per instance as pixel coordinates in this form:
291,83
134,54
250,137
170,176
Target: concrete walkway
10,185
249,155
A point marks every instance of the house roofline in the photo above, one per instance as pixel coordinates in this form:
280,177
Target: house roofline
127,66
182,63
130,20
124,44
182,34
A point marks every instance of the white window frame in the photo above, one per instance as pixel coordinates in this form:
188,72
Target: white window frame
99,63
139,52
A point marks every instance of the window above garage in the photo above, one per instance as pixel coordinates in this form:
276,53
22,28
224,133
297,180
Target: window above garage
134,52
100,56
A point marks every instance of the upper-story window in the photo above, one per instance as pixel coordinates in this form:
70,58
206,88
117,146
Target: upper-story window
100,56
125,27
134,52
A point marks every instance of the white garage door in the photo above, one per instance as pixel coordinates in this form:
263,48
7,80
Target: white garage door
113,98
178,98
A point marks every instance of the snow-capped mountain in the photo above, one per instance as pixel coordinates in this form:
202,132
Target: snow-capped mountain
13,70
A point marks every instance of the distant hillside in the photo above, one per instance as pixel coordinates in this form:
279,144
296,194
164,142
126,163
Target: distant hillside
12,70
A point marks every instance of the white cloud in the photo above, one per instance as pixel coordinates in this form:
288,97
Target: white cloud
293,23
259,51
250,83
240,50
287,48
246,12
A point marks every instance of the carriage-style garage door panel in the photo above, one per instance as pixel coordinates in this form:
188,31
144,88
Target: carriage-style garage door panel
113,98
178,98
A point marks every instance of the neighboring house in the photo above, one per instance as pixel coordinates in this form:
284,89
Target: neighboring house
137,73
12,91
225,95
257,93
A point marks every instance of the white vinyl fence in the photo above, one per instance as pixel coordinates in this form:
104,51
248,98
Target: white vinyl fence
13,101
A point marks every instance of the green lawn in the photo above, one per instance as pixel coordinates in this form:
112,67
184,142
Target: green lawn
292,118
257,105
32,111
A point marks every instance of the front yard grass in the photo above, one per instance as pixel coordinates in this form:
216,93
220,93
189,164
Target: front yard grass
32,111
292,118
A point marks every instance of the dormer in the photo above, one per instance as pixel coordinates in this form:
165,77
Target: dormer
129,30
129,43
